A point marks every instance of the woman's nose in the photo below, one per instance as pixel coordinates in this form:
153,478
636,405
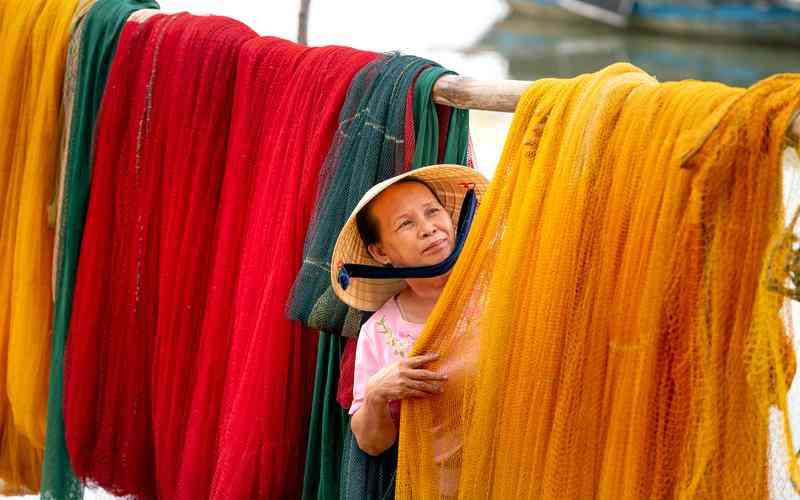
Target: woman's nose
428,228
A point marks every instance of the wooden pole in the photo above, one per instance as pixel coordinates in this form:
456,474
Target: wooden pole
468,93
302,22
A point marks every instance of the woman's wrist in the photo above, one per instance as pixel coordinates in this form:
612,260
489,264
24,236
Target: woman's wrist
374,399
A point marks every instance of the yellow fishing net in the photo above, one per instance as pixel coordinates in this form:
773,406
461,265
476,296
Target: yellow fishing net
607,332
33,40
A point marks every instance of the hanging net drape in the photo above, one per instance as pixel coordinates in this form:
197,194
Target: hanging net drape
606,331
143,273
90,54
34,36
262,405
374,142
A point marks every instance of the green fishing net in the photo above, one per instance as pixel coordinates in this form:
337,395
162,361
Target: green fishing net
91,53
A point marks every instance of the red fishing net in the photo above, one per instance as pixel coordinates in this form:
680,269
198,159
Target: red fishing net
107,399
191,100
179,269
269,380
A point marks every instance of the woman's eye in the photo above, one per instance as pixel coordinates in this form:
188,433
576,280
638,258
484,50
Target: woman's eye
432,211
405,223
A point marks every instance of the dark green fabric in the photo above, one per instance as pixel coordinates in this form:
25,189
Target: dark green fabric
328,424
102,26
369,147
426,123
365,477
457,147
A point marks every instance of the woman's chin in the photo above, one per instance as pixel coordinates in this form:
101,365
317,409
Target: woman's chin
432,259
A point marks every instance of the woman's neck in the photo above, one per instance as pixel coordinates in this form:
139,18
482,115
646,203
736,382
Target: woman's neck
419,299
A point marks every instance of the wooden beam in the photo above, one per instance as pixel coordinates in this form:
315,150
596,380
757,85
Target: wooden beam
469,93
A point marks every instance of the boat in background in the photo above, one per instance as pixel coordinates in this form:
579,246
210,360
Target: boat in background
535,48
764,22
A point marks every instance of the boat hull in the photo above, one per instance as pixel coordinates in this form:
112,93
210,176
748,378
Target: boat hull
745,23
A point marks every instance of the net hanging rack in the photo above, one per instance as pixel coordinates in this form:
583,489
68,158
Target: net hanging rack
487,95
503,95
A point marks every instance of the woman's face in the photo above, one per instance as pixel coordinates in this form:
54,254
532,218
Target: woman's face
414,228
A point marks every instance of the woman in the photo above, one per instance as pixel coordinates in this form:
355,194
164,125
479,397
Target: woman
405,222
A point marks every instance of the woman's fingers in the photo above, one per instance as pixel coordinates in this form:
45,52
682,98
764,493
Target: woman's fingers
413,393
422,374
416,393
419,385
417,361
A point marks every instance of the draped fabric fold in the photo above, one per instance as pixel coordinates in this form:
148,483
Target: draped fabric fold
34,37
264,403
370,146
91,52
607,331
143,273
327,426
192,101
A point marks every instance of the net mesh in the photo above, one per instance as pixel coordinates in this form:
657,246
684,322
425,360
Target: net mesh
327,426
142,276
90,53
374,141
34,37
607,331
269,378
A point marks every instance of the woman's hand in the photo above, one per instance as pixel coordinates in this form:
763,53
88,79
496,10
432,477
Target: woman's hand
372,424
405,379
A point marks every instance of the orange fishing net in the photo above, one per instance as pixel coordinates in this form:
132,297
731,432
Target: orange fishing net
607,331
34,35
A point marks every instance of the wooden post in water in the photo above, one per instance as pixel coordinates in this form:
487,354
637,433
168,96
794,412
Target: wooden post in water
302,22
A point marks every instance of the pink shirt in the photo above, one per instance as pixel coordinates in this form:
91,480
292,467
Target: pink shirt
385,338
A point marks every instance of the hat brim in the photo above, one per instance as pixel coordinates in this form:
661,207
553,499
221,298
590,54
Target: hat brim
449,182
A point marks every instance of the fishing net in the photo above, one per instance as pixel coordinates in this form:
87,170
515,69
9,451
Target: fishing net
155,187
106,394
270,364
191,104
34,36
607,331
371,145
389,123
90,54
67,104
265,86
328,425
365,476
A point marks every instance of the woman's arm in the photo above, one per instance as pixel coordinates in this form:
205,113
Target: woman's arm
372,424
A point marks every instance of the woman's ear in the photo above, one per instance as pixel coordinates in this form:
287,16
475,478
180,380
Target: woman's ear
378,254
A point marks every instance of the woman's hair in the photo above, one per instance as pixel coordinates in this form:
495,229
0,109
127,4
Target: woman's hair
367,224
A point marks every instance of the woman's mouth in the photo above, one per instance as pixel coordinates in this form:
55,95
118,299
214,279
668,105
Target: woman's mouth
435,246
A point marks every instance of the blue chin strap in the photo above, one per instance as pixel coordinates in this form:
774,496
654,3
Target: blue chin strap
468,207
